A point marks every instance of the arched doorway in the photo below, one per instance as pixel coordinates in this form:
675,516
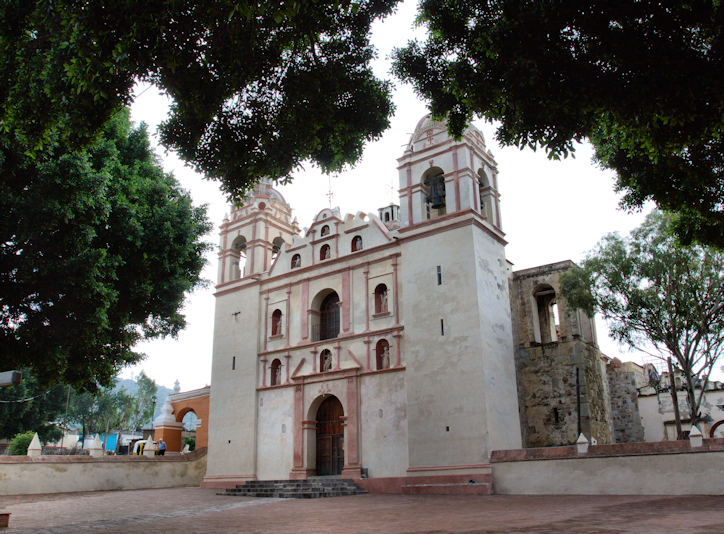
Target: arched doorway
330,437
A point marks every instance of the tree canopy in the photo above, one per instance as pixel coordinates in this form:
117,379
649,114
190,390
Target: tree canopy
658,297
29,408
98,247
642,80
257,87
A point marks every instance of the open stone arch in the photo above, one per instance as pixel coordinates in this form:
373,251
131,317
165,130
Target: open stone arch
546,321
169,425
487,194
426,184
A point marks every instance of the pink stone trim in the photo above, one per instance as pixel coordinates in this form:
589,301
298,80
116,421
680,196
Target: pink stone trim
346,296
366,272
305,306
456,177
354,359
356,229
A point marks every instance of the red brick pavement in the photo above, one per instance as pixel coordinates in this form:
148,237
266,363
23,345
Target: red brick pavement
193,510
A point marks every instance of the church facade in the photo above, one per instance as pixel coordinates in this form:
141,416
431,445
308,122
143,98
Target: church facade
375,345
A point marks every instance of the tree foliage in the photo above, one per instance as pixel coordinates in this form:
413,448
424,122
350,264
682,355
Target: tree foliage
257,87
658,297
140,410
642,80
97,250
101,412
28,407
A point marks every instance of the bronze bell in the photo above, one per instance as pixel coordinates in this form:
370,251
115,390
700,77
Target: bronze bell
437,191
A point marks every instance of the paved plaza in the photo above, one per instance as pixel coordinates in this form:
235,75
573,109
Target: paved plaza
193,510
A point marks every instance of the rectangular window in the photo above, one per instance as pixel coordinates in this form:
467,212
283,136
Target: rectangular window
442,328
233,363
439,275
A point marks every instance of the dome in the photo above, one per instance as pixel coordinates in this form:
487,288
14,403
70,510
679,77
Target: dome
425,124
264,187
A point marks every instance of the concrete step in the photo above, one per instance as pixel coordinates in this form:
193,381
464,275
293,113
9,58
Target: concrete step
296,489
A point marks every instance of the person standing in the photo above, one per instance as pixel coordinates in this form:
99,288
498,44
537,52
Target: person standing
161,447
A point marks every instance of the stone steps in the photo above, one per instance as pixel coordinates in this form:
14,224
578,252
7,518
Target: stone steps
313,488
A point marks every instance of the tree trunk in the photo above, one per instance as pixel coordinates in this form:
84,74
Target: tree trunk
677,417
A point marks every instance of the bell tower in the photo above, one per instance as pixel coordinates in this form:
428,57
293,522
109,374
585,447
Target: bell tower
439,176
253,234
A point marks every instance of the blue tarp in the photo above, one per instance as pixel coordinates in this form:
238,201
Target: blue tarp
111,442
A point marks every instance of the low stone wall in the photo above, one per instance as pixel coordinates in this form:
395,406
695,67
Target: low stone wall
21,475
662,468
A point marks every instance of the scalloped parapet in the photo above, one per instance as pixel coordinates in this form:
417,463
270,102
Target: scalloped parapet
331,236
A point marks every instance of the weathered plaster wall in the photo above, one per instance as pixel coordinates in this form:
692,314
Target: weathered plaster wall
460,380
232,406
20,475
383,424
673,469
275,433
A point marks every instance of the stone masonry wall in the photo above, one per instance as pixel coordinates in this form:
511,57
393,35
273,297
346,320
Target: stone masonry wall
546,371
624,407
547,394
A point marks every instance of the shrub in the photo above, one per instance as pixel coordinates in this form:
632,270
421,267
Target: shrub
20,443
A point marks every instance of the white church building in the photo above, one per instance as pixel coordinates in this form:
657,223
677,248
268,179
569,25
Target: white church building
368,345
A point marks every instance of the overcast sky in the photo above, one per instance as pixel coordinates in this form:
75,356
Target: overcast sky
551,210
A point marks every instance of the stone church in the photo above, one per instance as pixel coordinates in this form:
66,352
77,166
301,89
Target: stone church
393,345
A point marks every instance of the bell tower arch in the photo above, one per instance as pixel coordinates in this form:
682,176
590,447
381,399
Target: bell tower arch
439,175
254,232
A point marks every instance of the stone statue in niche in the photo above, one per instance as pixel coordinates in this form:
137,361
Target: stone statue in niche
386,357
357,243
325,230
277,327
278,375
383,301
297,261
326,253
327,365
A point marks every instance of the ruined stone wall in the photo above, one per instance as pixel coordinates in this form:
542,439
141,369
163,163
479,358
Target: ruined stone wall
546,371
547,394
627,426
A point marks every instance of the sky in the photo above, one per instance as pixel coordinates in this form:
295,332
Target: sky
551,210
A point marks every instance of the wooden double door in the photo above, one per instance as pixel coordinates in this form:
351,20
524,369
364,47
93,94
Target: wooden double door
330,437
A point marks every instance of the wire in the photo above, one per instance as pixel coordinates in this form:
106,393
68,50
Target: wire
24,400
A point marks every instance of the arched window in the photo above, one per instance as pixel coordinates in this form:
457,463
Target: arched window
325,361
276,372
486,196
238,267
381,305
433,190
276,247
329,317
545,316
276,329
325,253
382,351
356,243
296,261
325,230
